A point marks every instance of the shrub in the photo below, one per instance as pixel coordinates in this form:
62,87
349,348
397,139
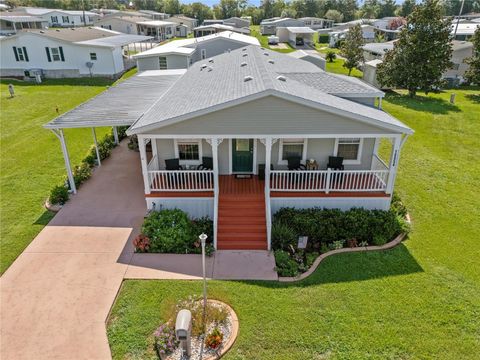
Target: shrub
379,240
133,143
105,146
165,340
310,258
285,265
330,56
170,231
214,339
203,225
398,206
141,243
122,132
337,245
59,195
81,173
323,38
283,236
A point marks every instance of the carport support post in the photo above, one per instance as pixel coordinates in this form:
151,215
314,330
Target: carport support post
59,133
115,135
379,102
268,161
393,163
96,146
143,161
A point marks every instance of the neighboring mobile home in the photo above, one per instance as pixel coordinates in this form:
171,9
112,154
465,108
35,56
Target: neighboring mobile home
11,23
60,17
190,23
160,30
180,54
251,131
316,23
269,26
205,30
66,52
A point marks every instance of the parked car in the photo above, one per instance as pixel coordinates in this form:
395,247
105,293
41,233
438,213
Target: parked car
273,40
299,41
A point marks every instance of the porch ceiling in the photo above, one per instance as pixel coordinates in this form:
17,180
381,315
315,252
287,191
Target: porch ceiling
121,104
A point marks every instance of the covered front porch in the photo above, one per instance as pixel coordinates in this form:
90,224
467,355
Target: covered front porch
241,182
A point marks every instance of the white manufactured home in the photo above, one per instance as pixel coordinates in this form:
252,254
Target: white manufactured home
67,52
60,17
250,132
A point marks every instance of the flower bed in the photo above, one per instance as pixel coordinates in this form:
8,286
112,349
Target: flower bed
330,229
171,231
221,330
59,194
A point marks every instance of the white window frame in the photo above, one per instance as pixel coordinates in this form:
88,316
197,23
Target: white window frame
166,63
358,160
53,55
203,53
198,142
20,54
280,150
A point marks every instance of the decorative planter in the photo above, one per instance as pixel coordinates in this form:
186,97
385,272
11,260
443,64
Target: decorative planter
52,207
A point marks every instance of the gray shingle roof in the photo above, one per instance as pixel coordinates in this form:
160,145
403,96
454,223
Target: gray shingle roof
119,105
212,84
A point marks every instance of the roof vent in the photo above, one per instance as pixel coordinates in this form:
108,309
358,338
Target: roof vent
262,48
210,61
245,55
203,66
247,78
209,68
243,64
271,61
281,78
265,53
244,49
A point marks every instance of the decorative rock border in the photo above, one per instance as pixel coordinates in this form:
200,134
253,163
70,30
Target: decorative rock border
319,259
233,336
323,256
52,207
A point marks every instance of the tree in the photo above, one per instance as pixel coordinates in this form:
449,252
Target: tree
370,9
330,56
422,53
289,12
407,8
472,75
334,15
172,6
348,9
198,11
351,48
387,8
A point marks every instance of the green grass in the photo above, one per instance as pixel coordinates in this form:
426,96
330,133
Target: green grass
417,301
337,67
31,158
263,39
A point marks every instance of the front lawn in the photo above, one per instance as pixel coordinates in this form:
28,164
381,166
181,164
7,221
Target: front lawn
31,158
419,300
263,39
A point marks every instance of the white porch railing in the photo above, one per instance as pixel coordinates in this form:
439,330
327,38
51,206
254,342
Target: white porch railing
329,180
181,180
378,163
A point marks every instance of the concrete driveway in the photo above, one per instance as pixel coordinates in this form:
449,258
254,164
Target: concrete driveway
55,298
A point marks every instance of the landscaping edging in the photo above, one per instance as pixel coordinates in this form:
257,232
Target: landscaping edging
323,256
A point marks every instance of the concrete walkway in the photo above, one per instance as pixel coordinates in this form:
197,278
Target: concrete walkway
56,296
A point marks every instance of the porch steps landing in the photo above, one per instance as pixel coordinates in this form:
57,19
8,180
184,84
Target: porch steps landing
241,222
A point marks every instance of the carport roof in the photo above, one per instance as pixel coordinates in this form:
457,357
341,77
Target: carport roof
300,30
120,105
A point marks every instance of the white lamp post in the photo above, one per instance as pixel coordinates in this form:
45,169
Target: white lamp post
203,238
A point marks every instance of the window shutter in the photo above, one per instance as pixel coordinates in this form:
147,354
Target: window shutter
15,52
48,54
25,53
61,53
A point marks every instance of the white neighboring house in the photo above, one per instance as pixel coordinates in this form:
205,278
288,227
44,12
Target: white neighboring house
269,26
296,36
67,52
60,17
316,23
368,33
465,30
189,22
10,23
374,53
180,54
160,30
218,28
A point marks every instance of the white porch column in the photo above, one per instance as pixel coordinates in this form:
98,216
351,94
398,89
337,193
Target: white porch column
155,153
216,188
143,159
61,137
115,135
379,102
394,157
96,146
268,211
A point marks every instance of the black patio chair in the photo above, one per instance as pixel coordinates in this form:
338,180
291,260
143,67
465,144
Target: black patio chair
335,163
294,163
207,163
173,164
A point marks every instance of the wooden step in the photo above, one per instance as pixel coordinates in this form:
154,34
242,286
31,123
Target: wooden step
232,236
229,220
242,245
239,213
242,228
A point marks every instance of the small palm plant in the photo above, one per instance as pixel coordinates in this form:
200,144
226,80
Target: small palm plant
331,56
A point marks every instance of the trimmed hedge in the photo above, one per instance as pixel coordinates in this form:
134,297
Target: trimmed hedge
329,229
323,38
171,231
82,172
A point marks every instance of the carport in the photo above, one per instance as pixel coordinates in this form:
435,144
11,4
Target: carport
291,34
120,105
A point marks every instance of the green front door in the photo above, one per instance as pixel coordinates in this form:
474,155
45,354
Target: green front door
242,155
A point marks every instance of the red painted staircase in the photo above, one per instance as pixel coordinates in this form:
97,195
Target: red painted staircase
241,222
